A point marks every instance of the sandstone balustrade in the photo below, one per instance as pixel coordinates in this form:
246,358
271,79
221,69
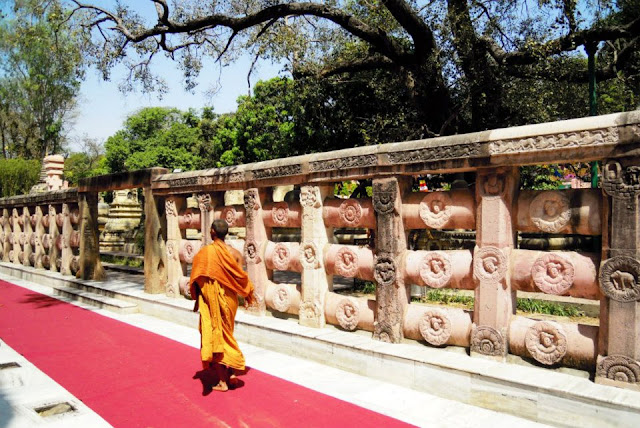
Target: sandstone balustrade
492,207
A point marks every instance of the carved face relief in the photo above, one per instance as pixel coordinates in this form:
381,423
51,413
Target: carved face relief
619,368
204,202
280,214
346,262
350,212
552,274
546,342
493,184
435,327
281,298
251,201
487,341
251,252
385,270
550,211
435,209
620,279
309,256
309,311
489,264
309,197
172,254
188,250
384,197
281,256
348,314
435,269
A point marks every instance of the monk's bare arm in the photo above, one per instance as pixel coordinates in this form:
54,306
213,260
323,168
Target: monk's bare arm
237,255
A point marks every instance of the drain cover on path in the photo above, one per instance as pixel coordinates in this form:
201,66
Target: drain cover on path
54,409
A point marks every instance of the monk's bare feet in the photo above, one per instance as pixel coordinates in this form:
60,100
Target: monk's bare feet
221,386
234,382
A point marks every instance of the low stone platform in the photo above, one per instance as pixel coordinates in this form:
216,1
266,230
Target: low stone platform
542,395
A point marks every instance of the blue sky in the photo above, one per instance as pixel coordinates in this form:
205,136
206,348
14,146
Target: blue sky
102,108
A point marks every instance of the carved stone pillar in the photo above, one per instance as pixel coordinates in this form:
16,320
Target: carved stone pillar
495,301
619,353
16,231
66,255
257,237
155,251
54,232
315,281
392,296
90,266
173,205
27,230
38,234
5,232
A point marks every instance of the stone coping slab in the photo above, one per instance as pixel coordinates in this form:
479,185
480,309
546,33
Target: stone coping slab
449,372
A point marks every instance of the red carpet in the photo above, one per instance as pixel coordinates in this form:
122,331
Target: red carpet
134,378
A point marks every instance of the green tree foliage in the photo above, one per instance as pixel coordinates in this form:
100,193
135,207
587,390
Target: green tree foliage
89,162
445,67
155,136
17,176
40,75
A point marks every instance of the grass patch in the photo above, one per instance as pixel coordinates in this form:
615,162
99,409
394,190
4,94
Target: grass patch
122,261
365,287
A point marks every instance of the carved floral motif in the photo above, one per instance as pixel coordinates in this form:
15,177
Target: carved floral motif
384,271
310,197
384,197
553,274
230,215
620,279
350,212
188,250
435,327
489,264
546,342
435,269
487,340
619,368
550,211
280,214
281,298
348,314
281,256
309,256
435,209
346,262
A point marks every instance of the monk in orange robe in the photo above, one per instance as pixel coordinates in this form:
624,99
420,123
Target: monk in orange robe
217,279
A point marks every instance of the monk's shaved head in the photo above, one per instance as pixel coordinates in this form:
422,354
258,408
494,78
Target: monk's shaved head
220,228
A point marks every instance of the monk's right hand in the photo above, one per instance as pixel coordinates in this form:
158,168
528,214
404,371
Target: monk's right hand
250,300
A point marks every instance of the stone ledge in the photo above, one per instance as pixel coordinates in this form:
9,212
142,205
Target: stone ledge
535,393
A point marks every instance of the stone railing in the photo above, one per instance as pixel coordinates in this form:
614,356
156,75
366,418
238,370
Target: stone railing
494,207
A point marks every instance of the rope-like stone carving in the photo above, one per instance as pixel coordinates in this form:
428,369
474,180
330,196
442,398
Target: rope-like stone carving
310,197
281,256
487,341
553,274
435,269
309,256
384,197
384,271
489,264
230,215
546,342
550,211
619,368
348,314
346,262
350,212
170,208
280,214
620,279
281,298
435,209
435,327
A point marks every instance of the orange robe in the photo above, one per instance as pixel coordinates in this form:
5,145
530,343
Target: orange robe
216,281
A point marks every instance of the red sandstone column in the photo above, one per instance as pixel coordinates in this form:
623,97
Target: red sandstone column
155,250
494,299
173,205
90,266
256,241
619,277
315,236
392,296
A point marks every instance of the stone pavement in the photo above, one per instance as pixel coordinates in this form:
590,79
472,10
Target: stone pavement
24,388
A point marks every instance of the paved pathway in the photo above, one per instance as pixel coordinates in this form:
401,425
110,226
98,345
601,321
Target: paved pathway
405,404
